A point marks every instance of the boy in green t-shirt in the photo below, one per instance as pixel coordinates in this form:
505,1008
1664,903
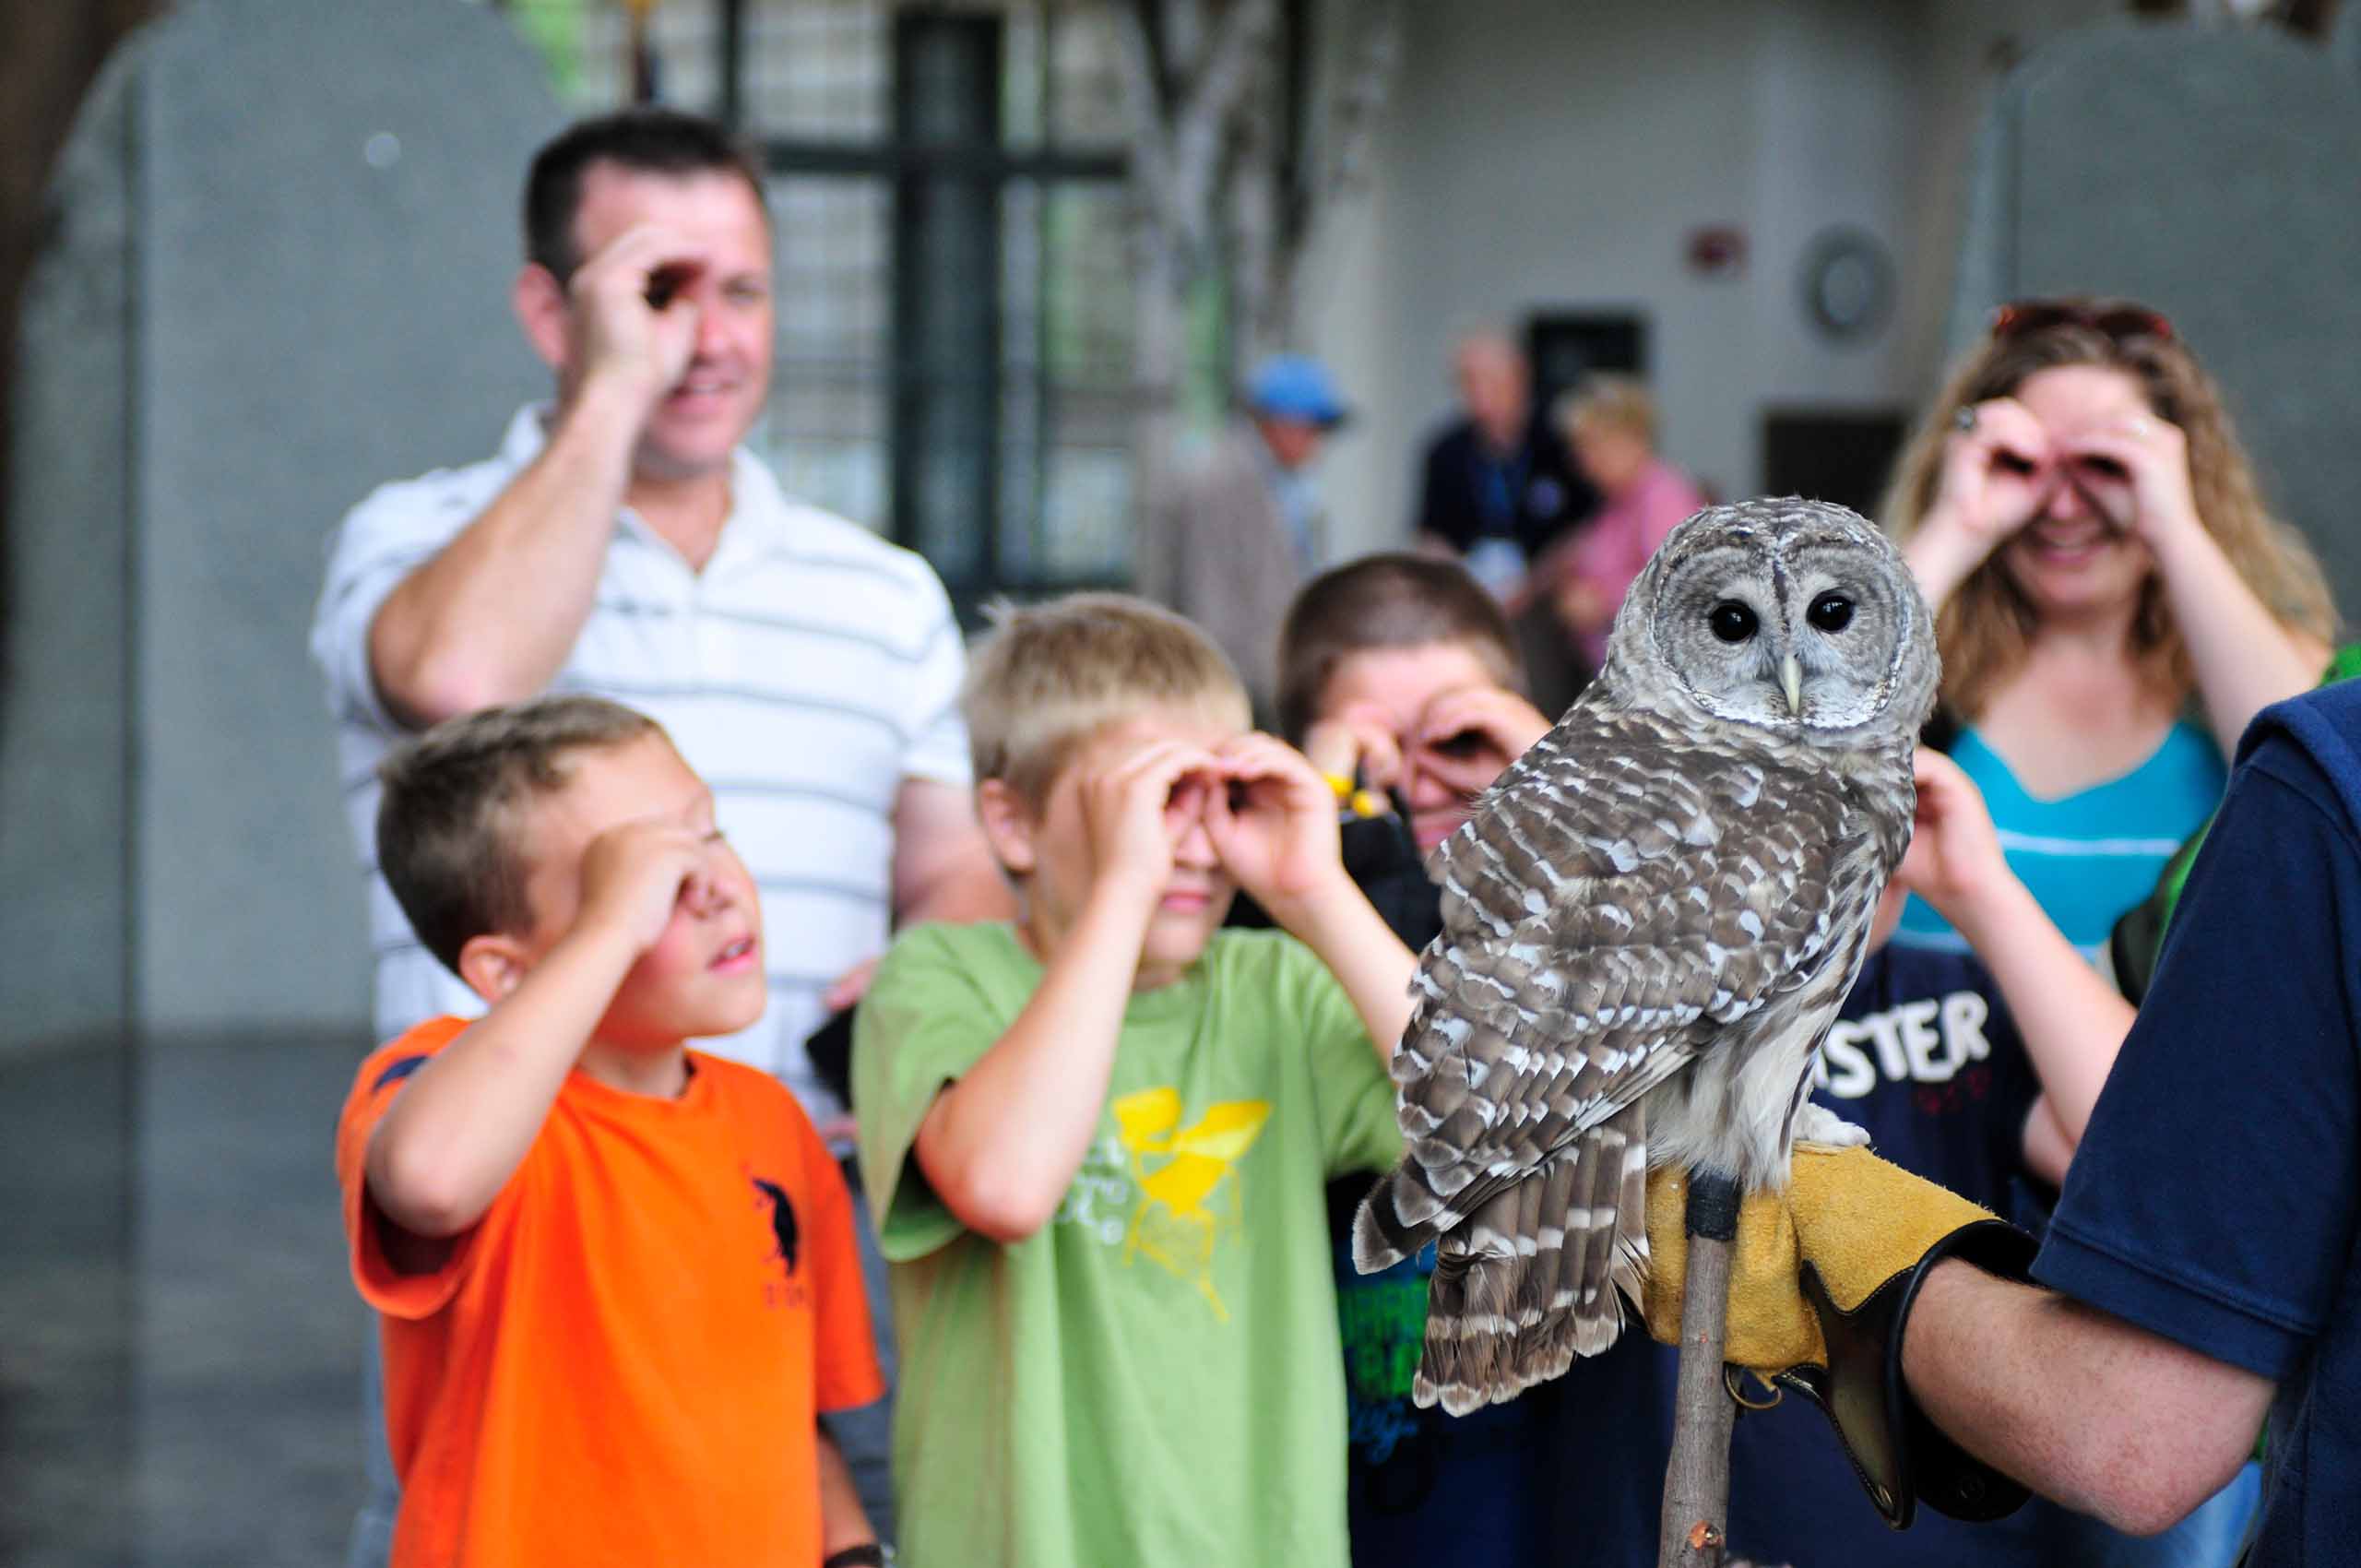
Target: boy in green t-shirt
1096,1141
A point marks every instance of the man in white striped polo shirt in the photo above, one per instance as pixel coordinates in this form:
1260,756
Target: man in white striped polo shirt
621,542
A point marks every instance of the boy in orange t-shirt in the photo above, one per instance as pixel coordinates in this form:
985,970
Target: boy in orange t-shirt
616,1276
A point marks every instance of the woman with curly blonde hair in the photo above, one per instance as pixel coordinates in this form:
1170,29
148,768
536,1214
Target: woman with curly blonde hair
2114,603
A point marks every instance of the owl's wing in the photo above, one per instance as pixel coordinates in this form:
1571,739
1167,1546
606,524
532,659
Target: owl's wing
1605,916
1618,901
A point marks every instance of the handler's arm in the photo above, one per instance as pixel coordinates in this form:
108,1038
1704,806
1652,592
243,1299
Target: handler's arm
2243,1049
2104,1417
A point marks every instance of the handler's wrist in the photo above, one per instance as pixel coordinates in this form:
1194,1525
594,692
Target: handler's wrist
1872,1238
1949,1282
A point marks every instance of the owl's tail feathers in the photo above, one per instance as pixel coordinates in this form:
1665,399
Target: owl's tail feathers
1531,1280
1607,1260
1400,1216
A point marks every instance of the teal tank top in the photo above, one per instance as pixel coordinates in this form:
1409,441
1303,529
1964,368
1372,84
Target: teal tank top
2088,856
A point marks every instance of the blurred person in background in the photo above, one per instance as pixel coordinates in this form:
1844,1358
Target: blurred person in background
2114,604
1227,543
1610,423
1398,677
1498,487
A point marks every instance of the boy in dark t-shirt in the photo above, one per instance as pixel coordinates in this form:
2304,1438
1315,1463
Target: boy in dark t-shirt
1397,677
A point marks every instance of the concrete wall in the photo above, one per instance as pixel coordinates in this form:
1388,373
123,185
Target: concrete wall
281,278
64,785
1543,155
2216,175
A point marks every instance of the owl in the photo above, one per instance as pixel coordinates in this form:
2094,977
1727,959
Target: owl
1649,923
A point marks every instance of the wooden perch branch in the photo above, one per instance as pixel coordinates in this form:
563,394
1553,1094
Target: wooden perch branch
1694,1527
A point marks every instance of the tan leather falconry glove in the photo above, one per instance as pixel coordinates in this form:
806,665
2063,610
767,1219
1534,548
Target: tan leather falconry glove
1822,1281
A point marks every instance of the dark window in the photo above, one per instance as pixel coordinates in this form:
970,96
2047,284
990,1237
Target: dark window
955,295
1566,347
1840,454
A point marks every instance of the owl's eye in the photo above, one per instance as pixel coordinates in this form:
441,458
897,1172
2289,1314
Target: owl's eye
1830,612
1732,621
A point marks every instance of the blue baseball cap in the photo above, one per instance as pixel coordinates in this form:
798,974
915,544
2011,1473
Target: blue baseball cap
1296,386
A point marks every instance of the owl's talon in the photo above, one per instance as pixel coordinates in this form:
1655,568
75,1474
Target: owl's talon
1818,1127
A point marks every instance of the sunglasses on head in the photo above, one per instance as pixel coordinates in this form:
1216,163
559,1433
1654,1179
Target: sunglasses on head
2118,323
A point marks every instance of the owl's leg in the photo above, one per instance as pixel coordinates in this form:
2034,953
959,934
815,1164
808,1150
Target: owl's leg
1818,1125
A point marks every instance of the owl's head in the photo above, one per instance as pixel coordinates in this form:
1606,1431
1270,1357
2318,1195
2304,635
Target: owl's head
1796,617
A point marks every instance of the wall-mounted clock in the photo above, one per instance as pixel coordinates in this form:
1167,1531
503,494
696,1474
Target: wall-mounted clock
1848,284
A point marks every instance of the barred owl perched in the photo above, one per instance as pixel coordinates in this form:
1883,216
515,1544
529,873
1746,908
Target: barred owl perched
1649,925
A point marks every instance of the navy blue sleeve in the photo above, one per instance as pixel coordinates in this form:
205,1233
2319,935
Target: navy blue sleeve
2212,1200
1436,514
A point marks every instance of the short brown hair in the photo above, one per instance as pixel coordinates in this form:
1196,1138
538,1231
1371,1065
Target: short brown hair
1385,601
1985,628
645,139
1049,676
449,839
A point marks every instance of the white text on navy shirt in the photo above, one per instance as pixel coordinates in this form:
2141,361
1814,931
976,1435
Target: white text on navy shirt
1924,1041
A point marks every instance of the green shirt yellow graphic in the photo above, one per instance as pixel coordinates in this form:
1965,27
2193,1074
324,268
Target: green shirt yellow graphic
1155,1377
1171,1223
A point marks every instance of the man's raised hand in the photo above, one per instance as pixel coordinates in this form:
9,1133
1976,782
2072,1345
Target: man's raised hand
1467,736
634,314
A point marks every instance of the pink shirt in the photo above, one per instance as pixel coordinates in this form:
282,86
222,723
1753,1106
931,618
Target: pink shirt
1610,549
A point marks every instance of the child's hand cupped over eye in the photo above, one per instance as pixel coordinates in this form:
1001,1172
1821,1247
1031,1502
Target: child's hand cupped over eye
1466,739
1126,805
636,873
1274,823
1356,743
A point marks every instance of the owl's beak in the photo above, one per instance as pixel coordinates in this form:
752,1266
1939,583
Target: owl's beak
1791,685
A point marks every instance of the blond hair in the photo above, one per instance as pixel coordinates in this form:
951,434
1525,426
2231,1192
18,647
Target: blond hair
1046,677
1621,401
1986,627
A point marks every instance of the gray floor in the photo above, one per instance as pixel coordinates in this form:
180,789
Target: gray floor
178,1347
